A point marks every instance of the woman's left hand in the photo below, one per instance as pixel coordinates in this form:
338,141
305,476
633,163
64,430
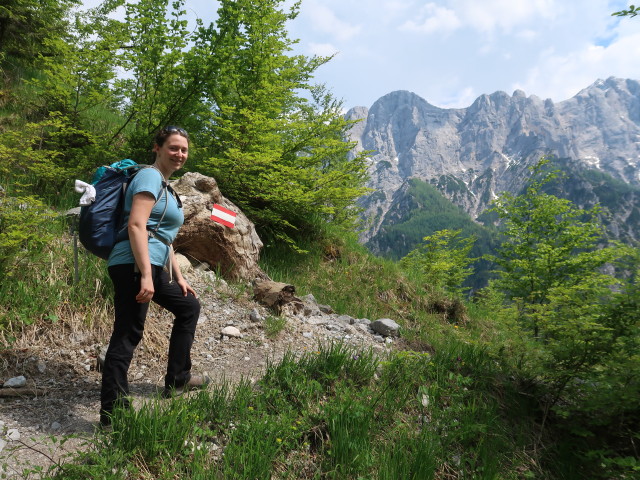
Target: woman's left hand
186,288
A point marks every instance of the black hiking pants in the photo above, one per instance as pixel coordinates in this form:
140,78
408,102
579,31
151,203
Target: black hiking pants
129,326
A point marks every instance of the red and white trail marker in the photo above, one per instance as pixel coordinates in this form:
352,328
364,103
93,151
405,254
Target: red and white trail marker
222,215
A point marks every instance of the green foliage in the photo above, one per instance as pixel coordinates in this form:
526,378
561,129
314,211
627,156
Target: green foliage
277,143
425,211
274,141
37,265
169,65
441,261
27,27
43,157
24,232
553,270
307,418
549,245
632,11
274,325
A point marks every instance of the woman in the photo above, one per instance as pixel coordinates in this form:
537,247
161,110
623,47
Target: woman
136,267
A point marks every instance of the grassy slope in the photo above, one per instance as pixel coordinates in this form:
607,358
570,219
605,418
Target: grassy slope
450,404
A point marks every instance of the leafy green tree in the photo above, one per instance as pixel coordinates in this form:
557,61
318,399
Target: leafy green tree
553,267
442,261
27,27
549,244
276,142
24,222
167,65
67,108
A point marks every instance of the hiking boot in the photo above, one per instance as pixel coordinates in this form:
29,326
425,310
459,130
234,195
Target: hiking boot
123,402
196,382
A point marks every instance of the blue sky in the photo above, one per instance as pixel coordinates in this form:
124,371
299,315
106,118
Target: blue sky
451,51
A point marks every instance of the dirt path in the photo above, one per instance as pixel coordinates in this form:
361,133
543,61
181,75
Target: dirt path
38,430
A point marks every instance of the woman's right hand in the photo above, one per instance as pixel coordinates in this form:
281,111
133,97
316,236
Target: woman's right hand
146,290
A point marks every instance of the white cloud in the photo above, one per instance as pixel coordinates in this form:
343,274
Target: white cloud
460,99
527,34
490,15
433,19
322,49
325,21
562,75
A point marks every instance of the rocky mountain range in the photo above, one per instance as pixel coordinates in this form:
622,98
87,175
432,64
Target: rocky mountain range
472,154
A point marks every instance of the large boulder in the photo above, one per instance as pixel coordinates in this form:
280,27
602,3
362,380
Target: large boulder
234,252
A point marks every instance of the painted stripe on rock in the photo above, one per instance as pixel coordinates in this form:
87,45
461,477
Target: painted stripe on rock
223,216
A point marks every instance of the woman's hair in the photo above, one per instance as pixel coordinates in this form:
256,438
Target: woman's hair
167,131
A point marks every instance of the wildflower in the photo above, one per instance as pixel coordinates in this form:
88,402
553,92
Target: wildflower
279,440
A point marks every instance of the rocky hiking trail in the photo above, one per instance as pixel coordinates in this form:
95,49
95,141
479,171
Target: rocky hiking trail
55,413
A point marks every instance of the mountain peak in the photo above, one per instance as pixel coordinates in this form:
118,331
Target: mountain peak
403,97
472,154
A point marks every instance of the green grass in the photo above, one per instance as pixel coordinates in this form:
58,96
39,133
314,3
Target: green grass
455,399
273,325
39,281
333,413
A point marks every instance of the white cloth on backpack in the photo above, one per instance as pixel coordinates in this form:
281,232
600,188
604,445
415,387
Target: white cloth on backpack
88,192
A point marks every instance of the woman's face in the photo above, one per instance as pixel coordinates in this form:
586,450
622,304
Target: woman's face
173,152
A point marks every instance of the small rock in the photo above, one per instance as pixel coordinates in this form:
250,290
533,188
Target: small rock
230,331
386,327
255,316
100,357
307,334
316,320
55,426
349,329
309,299
202,319
184,263
325,309
77,337
378,338
13,434
310,309
346,319
203,267
87,367
3,443
15,382
364,328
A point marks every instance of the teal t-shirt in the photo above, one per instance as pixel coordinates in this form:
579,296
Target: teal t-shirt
150,180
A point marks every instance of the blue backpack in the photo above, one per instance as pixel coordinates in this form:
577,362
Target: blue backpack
101,223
